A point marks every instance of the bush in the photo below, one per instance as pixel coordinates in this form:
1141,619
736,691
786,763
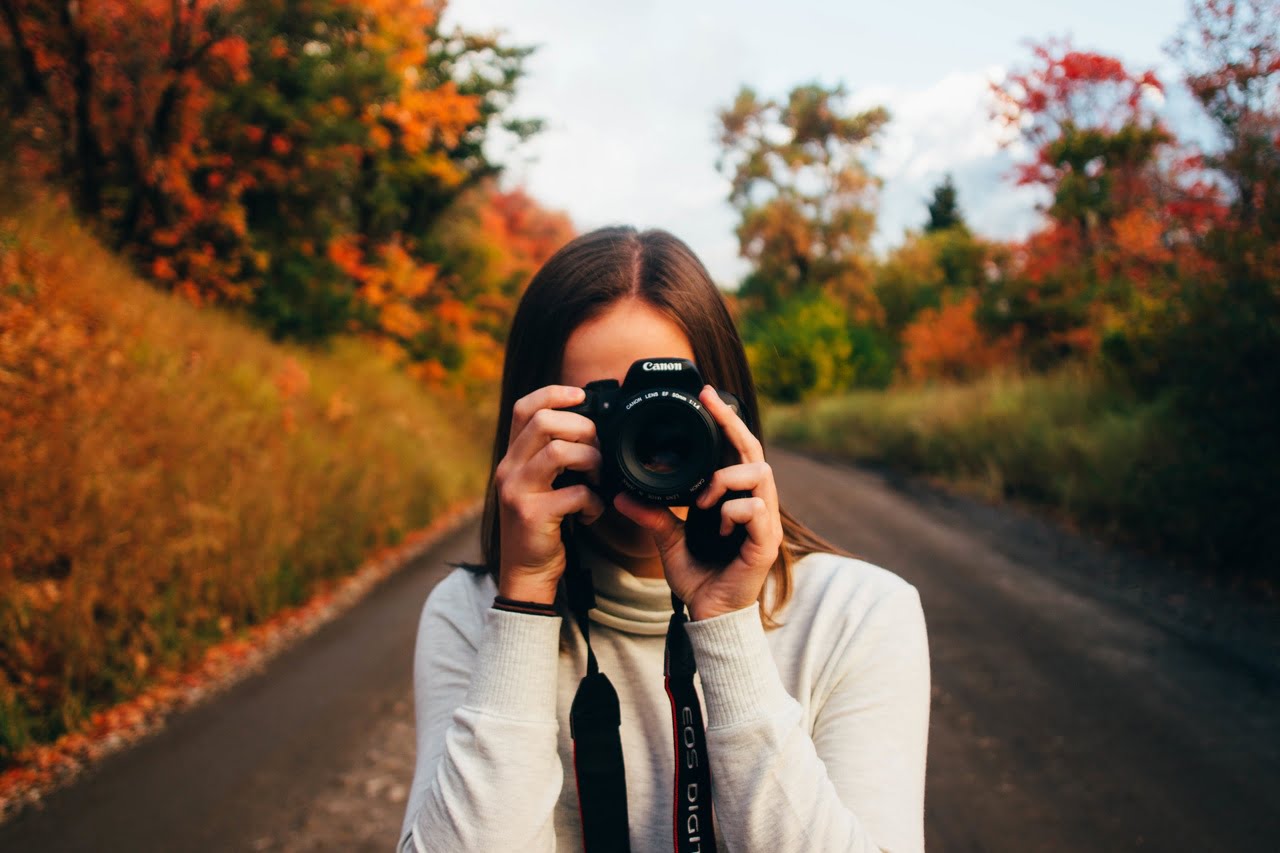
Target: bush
808,348
1134,469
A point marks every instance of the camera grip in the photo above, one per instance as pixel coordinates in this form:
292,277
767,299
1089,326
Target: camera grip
702,534
571,478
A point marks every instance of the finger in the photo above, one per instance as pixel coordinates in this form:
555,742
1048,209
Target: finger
559,455
753,477
748,446
664,525
751,512
570,499
546,397
546,425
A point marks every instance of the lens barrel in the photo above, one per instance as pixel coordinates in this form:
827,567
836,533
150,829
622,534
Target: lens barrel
666,445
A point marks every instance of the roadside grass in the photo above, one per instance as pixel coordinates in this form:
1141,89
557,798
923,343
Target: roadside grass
1065,440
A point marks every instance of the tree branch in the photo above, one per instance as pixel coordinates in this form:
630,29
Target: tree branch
34,83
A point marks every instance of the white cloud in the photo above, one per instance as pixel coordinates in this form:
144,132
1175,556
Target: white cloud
946,128
630,93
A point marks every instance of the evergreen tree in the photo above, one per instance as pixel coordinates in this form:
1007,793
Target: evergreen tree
944,212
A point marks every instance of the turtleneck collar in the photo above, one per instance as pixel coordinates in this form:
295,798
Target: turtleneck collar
624,601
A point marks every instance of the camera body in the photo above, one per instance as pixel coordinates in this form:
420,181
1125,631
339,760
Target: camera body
659,444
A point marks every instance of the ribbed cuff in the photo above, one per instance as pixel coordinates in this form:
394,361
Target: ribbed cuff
740,680
516,668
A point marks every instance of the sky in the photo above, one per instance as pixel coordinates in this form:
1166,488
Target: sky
629,93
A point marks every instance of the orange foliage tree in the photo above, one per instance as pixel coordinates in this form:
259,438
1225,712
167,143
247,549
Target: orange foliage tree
948,343
487,248
109,97
293,158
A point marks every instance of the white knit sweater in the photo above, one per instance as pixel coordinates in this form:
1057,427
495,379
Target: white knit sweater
816,731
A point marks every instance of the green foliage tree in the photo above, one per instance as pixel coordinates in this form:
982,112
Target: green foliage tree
809,348
804,197
928,267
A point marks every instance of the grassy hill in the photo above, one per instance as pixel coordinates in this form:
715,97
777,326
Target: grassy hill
169,476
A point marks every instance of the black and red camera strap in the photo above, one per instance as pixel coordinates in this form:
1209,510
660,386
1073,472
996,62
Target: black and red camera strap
692,819
595,723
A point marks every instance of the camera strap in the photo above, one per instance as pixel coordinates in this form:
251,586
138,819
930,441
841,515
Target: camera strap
693,829
594,721
594,725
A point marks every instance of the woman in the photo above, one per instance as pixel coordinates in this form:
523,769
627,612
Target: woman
813,666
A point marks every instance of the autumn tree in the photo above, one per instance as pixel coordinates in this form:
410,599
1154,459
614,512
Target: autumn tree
486,248
1091,126
1212,347
292,157
948,343
1231,55
930,286
1106,161
805,200
929,268
108,96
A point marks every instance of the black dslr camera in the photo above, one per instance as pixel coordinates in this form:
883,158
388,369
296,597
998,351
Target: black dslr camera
661,445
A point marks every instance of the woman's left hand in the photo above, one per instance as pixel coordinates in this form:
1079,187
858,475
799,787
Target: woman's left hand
710,592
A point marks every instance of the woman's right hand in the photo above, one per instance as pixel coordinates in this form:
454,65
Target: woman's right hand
544,442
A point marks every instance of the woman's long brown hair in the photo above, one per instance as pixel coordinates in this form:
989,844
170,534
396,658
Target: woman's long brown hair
578,283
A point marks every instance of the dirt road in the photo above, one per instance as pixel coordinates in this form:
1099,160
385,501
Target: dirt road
1083,700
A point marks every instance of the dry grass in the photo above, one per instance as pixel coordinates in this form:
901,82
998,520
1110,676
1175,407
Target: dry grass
1064,440
169,476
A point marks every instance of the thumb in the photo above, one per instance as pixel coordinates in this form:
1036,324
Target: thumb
664,525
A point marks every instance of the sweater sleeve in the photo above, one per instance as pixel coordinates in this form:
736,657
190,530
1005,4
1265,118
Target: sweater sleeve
487,773
856,783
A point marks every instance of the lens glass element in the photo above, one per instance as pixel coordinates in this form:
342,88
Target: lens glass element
663,449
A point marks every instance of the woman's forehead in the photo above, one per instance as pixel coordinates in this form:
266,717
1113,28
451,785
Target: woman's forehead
605,346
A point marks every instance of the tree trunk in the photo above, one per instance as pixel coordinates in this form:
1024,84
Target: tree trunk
33,84
88,153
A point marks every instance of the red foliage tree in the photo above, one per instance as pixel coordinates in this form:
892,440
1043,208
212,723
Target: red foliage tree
1126,205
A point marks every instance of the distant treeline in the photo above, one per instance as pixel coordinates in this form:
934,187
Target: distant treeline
1155,267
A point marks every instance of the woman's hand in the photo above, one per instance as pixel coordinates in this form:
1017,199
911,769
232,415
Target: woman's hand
711,592
544,442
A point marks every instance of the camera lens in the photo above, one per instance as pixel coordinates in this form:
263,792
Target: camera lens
663,449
